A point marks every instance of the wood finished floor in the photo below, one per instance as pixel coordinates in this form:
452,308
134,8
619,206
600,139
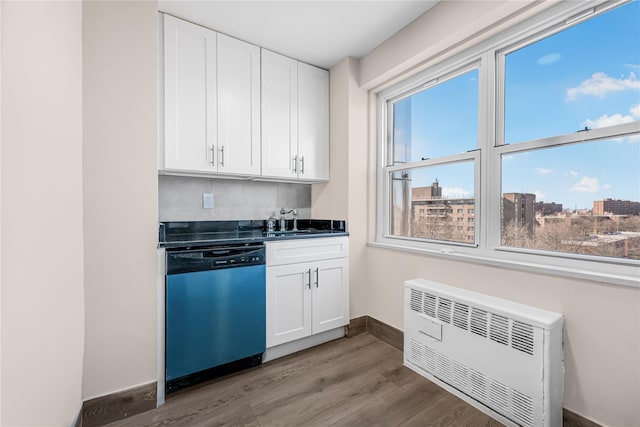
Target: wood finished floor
358,381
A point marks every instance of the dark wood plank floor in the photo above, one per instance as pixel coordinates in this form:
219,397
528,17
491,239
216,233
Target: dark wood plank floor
358,381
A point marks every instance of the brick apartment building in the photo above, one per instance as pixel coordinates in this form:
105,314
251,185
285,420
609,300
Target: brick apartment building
616,207
519,207
542,208
433,216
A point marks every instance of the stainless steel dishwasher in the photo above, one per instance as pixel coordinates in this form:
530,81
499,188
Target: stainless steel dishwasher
215,312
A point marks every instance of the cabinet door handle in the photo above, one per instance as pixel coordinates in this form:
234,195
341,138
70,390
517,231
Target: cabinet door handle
317,277
212,148
222,155
309,283
295,163
302,165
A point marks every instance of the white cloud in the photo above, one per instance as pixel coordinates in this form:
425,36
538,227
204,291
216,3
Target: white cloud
454,192
549,59
606,187
600,84
539,195
616,119
606,120
542,171
586,185
572,173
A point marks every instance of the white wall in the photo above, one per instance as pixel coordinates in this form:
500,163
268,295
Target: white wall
0,211
120,194
602,329
346,189
41,200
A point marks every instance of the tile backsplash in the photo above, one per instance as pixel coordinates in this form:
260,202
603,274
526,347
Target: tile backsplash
180,199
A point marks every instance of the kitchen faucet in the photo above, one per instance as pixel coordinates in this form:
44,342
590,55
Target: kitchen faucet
271,224
283,222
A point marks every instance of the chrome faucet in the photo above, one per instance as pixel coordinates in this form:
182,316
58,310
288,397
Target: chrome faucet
283,222
271,224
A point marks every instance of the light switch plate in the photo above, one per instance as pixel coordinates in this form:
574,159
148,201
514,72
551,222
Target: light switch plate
207,200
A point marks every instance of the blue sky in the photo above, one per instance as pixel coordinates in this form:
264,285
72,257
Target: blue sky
588,75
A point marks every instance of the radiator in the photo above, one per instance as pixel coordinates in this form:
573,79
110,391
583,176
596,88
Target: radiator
504,358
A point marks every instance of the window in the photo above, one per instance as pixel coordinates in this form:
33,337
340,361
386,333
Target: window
579,151
545,118
432,163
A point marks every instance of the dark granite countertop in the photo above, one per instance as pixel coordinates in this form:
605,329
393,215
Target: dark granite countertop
188,234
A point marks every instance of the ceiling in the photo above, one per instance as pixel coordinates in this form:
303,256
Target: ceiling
321,33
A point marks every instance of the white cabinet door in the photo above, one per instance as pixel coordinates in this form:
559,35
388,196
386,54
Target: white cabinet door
288,303
238,107
330,294
279,115
313,122
189,96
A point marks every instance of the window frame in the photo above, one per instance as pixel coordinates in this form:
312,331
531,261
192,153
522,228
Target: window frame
489,58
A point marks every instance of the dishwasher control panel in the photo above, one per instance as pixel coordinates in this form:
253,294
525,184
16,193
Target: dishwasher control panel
212,258
240,260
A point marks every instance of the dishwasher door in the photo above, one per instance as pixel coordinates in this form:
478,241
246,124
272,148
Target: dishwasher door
214,317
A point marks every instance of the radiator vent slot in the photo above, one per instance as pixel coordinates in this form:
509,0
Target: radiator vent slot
478,385
416,300
444,310
499,395
479,322
499,329
503,357
461,316
522,408
429,305
522,337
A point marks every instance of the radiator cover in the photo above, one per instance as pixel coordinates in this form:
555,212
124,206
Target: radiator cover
504,358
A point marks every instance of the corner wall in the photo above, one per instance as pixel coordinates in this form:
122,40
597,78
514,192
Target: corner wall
346,190
41,200
120,194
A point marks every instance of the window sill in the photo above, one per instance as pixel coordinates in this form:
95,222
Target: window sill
631,277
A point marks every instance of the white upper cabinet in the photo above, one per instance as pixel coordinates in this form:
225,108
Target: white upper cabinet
211,102
189,96
238,107
295,119
313,122
279,115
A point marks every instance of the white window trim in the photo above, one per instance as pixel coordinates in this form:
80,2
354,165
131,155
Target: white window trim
488,250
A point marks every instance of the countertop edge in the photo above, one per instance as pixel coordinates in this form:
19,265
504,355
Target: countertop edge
218,242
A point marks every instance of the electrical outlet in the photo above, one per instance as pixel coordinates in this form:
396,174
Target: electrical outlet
207,200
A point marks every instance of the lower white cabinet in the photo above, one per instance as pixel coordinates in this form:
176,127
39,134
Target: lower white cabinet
308,297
